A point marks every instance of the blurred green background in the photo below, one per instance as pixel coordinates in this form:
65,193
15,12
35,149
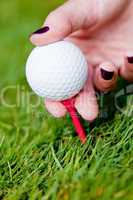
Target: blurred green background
18,19
39,156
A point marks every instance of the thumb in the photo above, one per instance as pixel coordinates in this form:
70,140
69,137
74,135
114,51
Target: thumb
70,17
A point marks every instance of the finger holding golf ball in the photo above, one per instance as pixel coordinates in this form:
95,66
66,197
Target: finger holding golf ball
58,72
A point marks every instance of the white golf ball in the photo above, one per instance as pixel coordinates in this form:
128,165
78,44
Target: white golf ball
57,71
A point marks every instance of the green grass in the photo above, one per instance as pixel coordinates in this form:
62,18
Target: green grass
40,158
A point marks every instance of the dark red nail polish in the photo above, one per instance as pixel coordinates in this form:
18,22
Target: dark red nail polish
41,30
130,60
106,75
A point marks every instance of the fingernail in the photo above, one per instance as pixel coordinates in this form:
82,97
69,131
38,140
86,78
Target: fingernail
41,30
106,75
130,59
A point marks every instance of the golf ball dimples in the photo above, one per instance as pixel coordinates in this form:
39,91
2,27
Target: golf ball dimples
57,71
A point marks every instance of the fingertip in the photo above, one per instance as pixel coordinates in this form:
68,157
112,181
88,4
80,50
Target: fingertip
126,70
55,108
87,107
35,40
56,27
105,76
88,114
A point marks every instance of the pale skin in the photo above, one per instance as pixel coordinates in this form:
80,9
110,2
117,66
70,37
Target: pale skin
103,30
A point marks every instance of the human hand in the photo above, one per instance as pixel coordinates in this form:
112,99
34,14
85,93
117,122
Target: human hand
103,31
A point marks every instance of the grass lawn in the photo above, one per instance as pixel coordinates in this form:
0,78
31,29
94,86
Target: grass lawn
40,158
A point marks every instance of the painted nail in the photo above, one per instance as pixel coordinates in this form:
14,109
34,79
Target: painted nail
41,30
106,75
130,60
